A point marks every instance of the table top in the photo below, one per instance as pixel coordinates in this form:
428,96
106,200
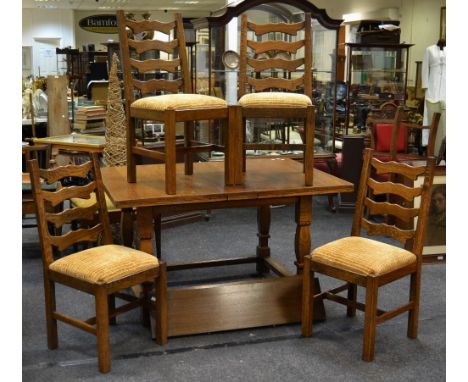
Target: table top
265,178
74,141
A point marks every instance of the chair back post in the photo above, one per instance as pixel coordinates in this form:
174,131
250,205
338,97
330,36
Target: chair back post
433,127
426,195
243,57
184,64
101,199
362,191
46,246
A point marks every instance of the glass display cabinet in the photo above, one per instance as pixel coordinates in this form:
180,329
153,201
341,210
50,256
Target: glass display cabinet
376,73
216,61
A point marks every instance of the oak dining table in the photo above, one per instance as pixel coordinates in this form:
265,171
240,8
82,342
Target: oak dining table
272,298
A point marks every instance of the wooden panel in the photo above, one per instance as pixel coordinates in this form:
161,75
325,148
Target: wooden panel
237,305
57,107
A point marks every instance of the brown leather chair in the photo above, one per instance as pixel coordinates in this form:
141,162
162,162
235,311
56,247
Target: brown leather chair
103,270
159,89
369,263
271,86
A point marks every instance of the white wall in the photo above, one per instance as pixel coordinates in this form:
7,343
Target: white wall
419,21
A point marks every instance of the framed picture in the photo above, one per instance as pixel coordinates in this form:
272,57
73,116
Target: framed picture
434,242
442,23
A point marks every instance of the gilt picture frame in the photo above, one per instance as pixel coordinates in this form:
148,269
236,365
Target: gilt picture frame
442,34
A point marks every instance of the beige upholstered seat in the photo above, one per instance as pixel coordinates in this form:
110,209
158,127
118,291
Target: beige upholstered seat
370,263
178,101
104,271
104,264
363,256
276,99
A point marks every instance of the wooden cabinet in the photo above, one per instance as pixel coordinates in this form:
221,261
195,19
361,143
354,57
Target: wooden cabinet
376,73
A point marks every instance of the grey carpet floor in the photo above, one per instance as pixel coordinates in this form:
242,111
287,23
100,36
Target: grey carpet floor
261,354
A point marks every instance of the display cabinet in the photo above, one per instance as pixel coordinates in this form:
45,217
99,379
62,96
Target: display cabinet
376,73
216,63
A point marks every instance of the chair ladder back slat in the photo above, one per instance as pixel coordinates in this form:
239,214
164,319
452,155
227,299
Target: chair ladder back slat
70,214
146,25
52,175
406,192
398,168
275,83
261,29
65,193
153,85
80,235
383,229
142,46
269,45
277,63
386,208
155,64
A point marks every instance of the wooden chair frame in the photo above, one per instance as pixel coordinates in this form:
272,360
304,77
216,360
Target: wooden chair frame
411,238
170,118
105,293
256,84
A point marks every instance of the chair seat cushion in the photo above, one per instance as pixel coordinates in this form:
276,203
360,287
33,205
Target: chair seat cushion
274,99
363,256
83,203
104,264
177,102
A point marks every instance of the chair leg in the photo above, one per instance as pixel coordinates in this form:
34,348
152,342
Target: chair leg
188,157
111,305
413,315
50,306
170,152
307,299
157,234
370,319
352,296
102,330
161,305
145,295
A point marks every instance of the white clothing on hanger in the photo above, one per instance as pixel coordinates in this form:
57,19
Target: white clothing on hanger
433,80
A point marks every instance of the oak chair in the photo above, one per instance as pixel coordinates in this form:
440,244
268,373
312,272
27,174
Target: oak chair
275,81
103,270
369,263
158,88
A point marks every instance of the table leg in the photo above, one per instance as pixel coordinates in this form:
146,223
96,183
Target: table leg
263,224
126,226
302,247
144,217
302,243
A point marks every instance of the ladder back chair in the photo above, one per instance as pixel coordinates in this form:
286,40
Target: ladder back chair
275,81
370,263
158,88
102,270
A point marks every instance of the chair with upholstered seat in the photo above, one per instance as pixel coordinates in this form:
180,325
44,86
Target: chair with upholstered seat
275,82
158,88
103,270
390,136
370,263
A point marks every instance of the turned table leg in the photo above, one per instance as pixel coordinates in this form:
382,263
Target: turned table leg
263,224
302,246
